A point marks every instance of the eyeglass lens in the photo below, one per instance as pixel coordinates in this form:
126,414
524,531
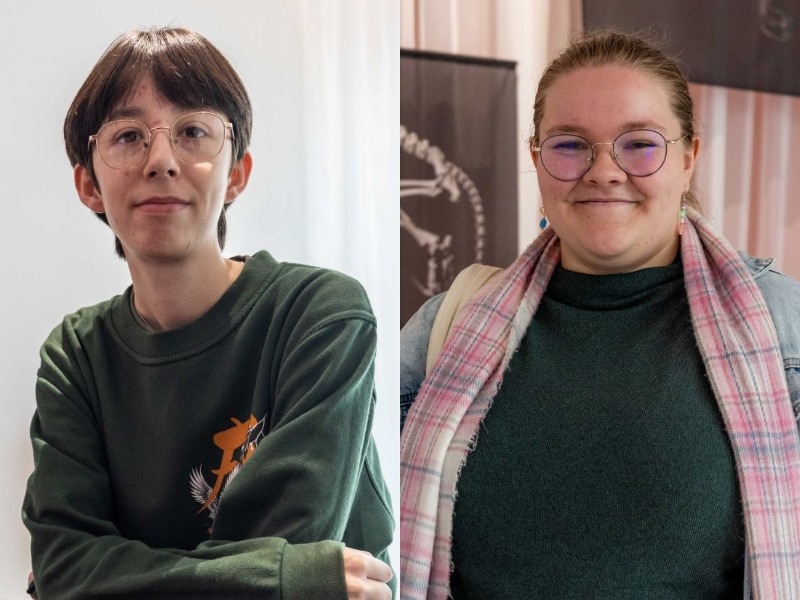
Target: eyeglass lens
195,137
639,152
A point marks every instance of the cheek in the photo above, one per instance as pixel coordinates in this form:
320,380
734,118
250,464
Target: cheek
666,191
219,187
553,191
211,175
542,179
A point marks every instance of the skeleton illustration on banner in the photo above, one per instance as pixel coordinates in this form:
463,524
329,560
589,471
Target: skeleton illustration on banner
458,170
447,184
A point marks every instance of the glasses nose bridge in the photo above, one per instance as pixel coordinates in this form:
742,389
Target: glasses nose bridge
151,132
150,136
614,155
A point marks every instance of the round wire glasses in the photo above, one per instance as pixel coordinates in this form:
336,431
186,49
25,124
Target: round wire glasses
638,152
195,137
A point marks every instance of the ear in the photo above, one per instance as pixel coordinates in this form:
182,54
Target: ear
534,154
88,192
240,175
690,159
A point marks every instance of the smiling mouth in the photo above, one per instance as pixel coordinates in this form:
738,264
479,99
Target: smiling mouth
604,201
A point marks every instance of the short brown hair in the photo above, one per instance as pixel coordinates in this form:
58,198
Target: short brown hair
185,68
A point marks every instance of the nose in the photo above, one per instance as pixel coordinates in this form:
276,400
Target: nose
604,167
161,159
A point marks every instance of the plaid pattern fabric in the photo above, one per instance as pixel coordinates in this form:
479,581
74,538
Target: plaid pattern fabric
740,349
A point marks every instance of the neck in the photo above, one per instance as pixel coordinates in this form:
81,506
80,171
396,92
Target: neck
168,295
590,265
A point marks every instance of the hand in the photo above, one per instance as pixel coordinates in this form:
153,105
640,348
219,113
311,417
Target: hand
365,576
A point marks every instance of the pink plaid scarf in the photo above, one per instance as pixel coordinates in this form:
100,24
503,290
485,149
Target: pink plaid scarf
740,349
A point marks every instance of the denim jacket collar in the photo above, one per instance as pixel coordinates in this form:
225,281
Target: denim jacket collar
757,266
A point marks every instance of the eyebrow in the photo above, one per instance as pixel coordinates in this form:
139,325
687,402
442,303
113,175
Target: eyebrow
132,112
583,132
125,113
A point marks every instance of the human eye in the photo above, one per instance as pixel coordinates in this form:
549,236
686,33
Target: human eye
192,131
567,144
638,141
123,134
194,127
639,145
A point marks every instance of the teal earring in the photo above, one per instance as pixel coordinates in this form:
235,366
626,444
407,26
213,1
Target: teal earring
543,221
682,214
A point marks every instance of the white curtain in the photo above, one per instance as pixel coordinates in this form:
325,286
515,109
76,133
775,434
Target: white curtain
748,171
324,79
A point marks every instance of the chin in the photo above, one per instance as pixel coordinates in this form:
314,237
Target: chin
604,258
607,245
160,252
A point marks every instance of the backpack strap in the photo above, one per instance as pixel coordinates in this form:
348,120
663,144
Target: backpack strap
464,286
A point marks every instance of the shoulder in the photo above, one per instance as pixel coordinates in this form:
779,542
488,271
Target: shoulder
421,322
82,334
312,292
414,338
82,324
782,295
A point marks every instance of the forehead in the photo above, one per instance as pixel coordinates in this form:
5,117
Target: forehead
145,100
605,100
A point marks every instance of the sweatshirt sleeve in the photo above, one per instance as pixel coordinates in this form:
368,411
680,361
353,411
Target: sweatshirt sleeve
314,461
300,484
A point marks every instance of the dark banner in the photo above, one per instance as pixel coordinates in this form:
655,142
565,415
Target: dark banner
458,170
749,44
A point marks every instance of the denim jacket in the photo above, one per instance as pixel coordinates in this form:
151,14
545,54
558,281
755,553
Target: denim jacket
782,295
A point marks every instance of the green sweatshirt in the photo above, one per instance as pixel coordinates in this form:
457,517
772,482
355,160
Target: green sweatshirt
230,458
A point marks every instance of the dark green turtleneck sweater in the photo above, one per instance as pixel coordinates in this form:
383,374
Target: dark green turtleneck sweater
603,469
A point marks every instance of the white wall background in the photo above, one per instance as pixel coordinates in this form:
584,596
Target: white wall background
323,77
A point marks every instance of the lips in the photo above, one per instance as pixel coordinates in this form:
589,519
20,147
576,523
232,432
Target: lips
604,201
161,205
161,200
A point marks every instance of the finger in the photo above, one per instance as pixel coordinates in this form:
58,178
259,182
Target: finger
363,564
378,570
367,589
